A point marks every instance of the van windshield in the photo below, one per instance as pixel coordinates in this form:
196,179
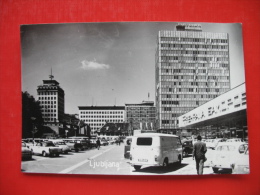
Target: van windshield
144,141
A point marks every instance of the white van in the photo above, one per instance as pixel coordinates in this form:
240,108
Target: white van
155,149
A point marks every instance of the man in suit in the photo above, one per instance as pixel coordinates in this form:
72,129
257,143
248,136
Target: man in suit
199,150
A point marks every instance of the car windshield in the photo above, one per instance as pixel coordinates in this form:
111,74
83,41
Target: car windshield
48,144
226,148
61,143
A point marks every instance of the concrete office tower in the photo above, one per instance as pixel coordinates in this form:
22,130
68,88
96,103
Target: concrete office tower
51,98
97,116
192,67
140,115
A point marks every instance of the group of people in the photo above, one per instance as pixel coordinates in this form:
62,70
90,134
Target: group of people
118,141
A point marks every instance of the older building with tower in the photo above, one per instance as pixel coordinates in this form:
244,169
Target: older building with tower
51,97
192,67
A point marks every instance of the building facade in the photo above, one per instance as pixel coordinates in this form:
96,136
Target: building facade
51,97
97,116
192,67
224,116
141,115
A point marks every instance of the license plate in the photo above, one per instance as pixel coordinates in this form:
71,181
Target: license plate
142,160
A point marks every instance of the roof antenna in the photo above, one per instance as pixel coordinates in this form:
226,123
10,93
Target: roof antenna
51,76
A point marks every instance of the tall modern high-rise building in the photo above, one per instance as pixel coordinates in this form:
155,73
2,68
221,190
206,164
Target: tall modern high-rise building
192,67
51,98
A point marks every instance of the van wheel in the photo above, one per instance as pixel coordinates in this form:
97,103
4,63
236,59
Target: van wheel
44,154
137,167
215,170
165,162
179,159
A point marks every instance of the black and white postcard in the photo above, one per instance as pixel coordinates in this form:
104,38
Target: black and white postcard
134,98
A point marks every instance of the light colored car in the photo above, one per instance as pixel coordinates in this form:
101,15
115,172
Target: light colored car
242,164
26,152
226,155
61,144
103,142
234,140
209,143
46,149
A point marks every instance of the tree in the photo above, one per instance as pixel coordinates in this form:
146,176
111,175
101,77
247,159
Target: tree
31,116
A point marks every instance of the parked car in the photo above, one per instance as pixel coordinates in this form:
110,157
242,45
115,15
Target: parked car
73,144
103,142
242,164
46,149
187,147
234,140
93,143
26,152
226,155
213,143
61,144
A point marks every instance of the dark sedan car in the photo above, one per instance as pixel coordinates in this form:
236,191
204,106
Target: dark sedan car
187,147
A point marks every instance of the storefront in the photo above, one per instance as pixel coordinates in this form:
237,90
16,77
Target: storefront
224,116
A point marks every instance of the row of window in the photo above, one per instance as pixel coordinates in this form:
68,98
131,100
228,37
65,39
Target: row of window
178,77
90,122
47,115
205,40
164,122
184,96
47,98
194,90
101,112
47,102
192,46
193,64
50,110
48,93
193,52
187,84
195,71
194,58
48,106
103,116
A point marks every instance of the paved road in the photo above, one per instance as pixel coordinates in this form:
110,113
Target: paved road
108,160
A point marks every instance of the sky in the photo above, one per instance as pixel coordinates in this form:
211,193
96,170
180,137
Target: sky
105,64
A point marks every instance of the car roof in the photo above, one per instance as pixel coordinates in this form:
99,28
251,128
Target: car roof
231,143
154,135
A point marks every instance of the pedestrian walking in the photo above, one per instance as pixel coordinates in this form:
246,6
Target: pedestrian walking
199,150
98,143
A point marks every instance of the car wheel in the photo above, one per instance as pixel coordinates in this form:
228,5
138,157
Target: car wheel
44,154
137,167
76,150
179,160
165,162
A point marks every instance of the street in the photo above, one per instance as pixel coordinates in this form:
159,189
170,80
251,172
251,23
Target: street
108,160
